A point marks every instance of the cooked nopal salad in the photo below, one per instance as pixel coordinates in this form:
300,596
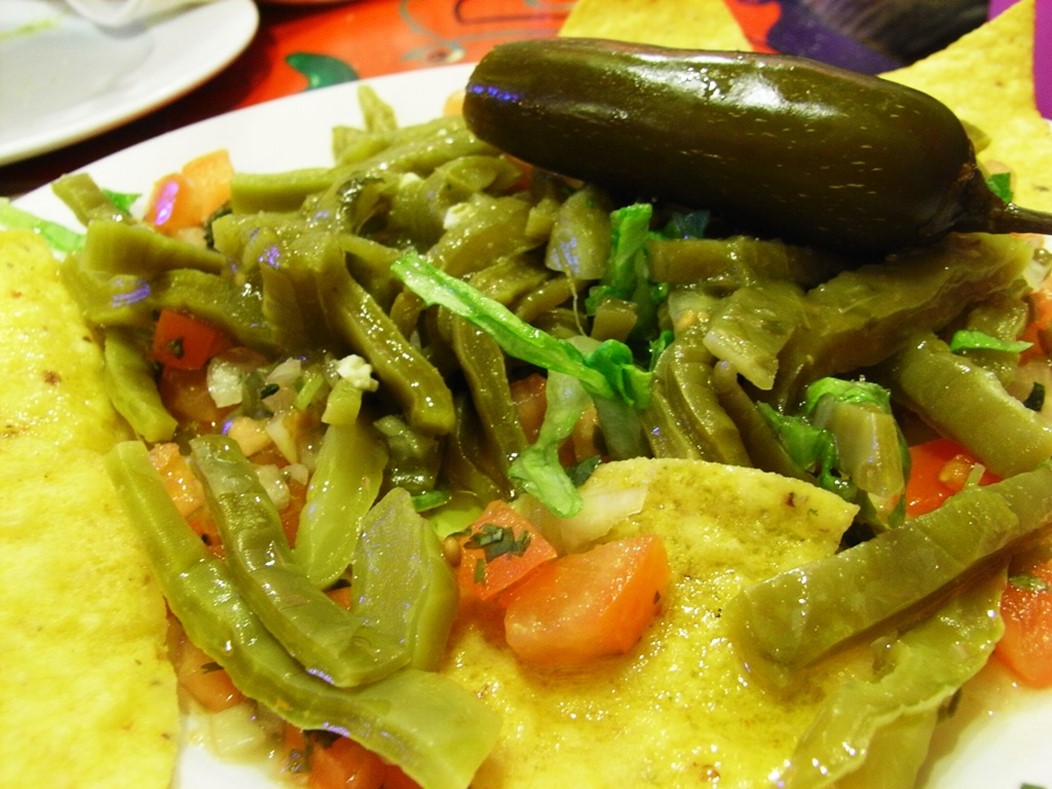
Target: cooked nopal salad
519,448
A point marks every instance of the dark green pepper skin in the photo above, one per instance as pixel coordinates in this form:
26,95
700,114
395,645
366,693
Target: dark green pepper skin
778,146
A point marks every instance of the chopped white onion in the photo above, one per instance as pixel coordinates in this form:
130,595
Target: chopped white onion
457,214
273,481
606,504
223,379
297,472
235,734
280,431
286,373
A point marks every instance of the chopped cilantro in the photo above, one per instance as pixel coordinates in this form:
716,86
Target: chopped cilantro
1028,583
1001,185
175,347
430,500
659,344
580,472
496,541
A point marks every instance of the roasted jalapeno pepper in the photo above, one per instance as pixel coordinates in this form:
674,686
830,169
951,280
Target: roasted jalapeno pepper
778,146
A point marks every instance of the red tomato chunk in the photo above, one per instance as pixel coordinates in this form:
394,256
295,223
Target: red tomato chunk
501,548
589,605
1026,608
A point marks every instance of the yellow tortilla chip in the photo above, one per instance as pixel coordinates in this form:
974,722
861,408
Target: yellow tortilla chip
678,710
51,366
699,23
86,693
986,78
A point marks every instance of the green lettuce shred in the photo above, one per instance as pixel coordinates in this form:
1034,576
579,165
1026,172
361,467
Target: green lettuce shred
608,371
972,340
627,275
846,437
59,237
537,470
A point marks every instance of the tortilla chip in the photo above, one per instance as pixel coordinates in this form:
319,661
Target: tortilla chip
986,78
678,710
698,23
87,692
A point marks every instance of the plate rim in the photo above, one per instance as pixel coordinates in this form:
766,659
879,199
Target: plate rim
241,27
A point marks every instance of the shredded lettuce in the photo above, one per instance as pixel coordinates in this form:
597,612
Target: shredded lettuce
124,201
59,237
537,470
626,269
627,275
972,340
847,438
606,372
810,448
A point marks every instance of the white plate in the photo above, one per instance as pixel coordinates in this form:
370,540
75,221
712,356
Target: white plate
63,79
999,737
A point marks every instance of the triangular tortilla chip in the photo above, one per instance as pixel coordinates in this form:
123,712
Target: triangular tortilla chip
698,23
986,77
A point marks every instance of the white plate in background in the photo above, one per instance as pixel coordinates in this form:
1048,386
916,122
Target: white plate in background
64,79
998,738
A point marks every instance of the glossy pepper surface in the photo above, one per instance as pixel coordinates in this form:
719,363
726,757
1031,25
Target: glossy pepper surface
778,146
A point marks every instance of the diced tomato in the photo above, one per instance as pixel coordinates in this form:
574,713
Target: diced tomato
210,174
185,395
204,679
297,759
204,526
588,605
1038,331
185,342
501,548
331,762
172,207
342,762
395,778
290,515
1026,608
938,469
179,480
529,397
341,595
186,199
